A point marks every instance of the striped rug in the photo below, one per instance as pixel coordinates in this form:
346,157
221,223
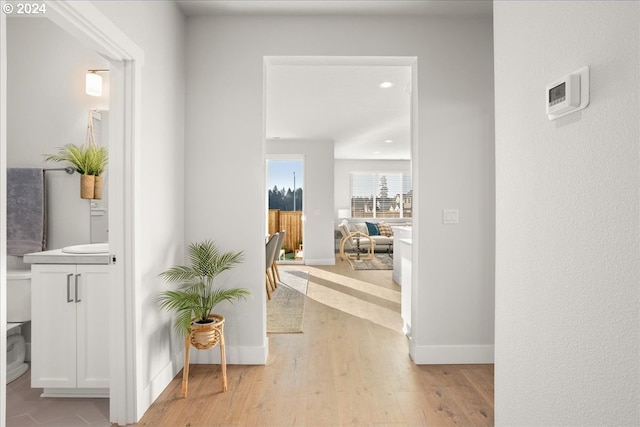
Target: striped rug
285,311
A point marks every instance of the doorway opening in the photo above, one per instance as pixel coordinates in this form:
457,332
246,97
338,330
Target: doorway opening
365,109
89,26
285,200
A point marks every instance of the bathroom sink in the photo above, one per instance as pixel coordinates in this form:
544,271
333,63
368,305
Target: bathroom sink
89,248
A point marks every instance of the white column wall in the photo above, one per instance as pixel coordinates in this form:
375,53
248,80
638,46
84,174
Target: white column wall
455,168
567,271
158,27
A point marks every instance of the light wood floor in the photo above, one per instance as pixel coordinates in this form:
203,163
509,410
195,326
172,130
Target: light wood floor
348,368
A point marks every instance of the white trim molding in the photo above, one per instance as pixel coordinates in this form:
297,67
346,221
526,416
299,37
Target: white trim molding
157,385
451,354
3,223
85,22
320,261
92,28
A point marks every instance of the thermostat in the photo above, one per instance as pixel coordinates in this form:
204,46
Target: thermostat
568,94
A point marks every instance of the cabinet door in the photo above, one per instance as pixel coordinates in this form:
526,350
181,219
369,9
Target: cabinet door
93,326
53,320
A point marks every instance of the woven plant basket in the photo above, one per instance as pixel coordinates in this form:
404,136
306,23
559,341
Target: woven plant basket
97,188
207,335
87,185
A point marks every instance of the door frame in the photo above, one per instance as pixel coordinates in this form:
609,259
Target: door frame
412,62
92,28
302,158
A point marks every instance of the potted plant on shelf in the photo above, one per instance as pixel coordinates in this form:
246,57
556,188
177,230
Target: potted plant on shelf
196,295
89,161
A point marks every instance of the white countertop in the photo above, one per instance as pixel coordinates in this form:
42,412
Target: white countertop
56,256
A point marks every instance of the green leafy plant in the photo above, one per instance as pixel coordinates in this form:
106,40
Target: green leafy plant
97,158
86,159
196,296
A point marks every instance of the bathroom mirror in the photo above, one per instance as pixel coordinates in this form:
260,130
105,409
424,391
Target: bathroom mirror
99,210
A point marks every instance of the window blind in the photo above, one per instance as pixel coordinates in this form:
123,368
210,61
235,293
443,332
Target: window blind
381,195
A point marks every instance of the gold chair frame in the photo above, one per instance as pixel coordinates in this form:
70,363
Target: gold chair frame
358,255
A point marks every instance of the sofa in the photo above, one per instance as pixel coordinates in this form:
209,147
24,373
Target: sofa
362,235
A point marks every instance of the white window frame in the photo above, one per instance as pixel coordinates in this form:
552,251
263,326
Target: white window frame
375,180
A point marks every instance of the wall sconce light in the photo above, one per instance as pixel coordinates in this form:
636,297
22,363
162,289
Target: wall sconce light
93,83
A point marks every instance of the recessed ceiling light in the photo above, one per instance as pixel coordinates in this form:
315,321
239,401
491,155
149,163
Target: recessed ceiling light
388,141
385,85
376,152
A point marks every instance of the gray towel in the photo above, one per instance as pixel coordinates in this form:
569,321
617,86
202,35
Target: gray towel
25,211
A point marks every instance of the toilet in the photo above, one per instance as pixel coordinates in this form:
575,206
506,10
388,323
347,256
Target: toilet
18,313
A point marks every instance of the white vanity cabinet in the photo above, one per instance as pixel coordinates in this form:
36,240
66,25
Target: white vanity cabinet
70,329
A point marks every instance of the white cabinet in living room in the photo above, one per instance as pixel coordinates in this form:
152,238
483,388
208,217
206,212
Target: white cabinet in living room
70,329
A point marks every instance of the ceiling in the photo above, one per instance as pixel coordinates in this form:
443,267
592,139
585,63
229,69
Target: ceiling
336,7
342,103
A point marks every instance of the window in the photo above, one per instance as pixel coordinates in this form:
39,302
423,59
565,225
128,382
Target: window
381,195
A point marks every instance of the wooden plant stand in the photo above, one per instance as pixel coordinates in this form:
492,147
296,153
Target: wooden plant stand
203,337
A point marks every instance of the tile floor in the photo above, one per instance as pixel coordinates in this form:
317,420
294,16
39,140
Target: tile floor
25,407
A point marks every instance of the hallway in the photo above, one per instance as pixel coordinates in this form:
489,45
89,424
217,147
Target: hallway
345,369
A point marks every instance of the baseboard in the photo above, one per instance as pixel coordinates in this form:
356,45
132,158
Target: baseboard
451,354
77,393
328,261
152,391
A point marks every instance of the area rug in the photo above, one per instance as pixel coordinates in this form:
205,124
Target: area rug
379,262
285,310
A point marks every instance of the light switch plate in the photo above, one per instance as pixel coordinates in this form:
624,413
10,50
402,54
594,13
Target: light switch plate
450,216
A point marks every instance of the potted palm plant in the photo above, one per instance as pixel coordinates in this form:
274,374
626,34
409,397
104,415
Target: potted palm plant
196,295
89,161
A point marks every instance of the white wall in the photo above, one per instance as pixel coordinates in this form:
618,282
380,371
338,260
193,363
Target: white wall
48,108
158,28
567,272
342,176
318,195
3,208
454,167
